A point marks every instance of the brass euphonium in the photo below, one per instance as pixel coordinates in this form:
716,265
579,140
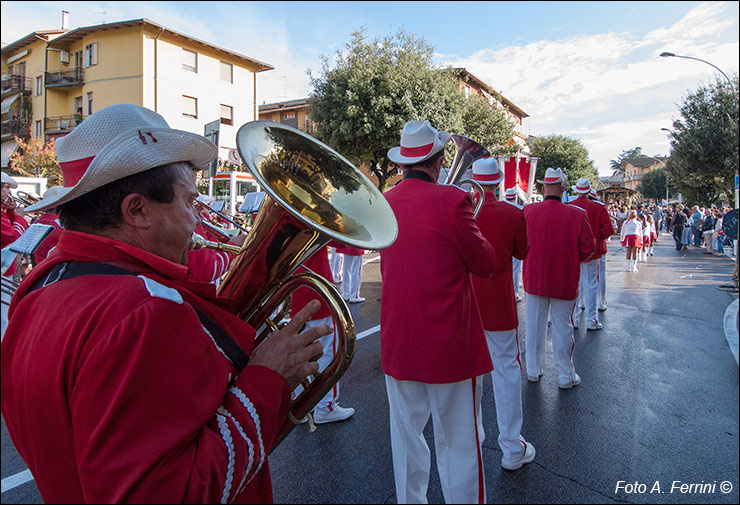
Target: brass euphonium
468,152
314,195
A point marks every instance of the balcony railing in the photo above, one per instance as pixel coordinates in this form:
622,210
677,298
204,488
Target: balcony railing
15,127
62,124
72,78
16,84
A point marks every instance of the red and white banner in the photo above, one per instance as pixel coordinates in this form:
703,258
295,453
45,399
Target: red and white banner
519,172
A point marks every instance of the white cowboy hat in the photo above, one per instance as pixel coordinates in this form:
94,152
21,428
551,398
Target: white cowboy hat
510,194
419,141
583,186
594,193
118,141
554,176
485,171
9,180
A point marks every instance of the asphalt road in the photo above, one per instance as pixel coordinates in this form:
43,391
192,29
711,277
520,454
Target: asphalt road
657,408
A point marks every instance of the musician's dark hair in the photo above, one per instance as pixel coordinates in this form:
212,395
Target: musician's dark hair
427,162
101,208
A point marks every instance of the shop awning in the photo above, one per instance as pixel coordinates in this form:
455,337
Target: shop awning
8,148
8,102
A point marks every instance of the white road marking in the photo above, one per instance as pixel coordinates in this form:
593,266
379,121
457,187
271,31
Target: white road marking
368,332
16,480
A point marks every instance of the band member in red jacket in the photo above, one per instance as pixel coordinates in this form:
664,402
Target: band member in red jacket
140,387
510,198
12,227
505,228
601,226
328,409
560,238
51,218
433,349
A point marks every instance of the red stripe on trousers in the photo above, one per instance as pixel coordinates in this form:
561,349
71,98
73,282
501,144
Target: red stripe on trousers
481,498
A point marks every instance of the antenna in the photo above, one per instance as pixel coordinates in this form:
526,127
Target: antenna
103,13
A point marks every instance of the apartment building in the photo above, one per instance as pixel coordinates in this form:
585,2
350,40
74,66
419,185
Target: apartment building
635,168
52,80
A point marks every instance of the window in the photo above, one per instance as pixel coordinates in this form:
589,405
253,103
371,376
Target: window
289,115
37,129
91,54
227,72
190,61
89,103
39,85
227,114
189,106
78,59
467,91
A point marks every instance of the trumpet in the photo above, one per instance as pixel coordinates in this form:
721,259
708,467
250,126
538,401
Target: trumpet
314,195
468,152
203,206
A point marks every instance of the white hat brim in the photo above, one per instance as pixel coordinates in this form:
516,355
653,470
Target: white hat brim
580,191
124,156
394,153
490,183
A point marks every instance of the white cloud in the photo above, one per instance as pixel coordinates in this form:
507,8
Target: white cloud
578,85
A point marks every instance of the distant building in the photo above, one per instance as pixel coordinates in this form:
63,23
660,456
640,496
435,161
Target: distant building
635,168
52,80
293,113
470,85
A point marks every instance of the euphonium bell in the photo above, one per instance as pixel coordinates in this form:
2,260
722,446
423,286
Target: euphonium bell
314,195
468,152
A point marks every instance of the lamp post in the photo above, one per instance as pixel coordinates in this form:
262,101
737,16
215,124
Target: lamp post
673,55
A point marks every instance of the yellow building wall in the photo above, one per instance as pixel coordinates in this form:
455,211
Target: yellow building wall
117,77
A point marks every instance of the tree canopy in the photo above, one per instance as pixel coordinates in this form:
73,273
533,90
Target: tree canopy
653,184
559,151
704,144
33,158
629,153
362,101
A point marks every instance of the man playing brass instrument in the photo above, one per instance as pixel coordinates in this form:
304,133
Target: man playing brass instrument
433,349
138,387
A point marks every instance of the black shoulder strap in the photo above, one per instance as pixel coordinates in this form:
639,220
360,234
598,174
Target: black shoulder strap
70,270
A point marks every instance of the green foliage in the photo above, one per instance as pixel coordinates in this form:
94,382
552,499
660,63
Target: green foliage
362,101
33,158
704,144
489,127
558,151
629,153
653,184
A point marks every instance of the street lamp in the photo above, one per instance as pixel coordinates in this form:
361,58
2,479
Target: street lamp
673,55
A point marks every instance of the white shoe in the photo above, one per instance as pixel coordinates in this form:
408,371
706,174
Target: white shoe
324,415
527,457
597,326
576,381
359,299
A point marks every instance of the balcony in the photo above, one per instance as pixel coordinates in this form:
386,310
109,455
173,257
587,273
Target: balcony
65,79
61,124
15,127
16,84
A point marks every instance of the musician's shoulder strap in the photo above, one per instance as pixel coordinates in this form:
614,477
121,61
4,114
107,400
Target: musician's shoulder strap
70,270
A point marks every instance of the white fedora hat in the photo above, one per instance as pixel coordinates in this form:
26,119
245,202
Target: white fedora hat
510,194
485,171
583,186
9,181
554,176
594,193
118,141
419,141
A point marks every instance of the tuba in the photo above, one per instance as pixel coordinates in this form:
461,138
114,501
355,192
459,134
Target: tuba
313,195
468,152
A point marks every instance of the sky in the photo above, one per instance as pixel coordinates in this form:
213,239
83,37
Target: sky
586,70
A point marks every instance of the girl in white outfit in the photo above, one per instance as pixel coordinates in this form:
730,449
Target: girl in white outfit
631,237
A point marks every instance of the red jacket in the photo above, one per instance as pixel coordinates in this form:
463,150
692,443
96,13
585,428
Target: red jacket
12,227
112,391
505,228
560,239
207,265
318,263
430,327
598,219
42,251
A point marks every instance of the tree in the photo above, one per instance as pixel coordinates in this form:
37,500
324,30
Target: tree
490,128
33,158
375,86
629,153
558,151
704,144
653,184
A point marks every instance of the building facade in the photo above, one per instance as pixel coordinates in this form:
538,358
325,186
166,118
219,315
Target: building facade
55,79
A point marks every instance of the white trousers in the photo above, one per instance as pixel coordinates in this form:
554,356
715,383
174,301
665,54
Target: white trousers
517,267
335,264
563,343
601,293
329,343
507,391
351,277
588,287
458,438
